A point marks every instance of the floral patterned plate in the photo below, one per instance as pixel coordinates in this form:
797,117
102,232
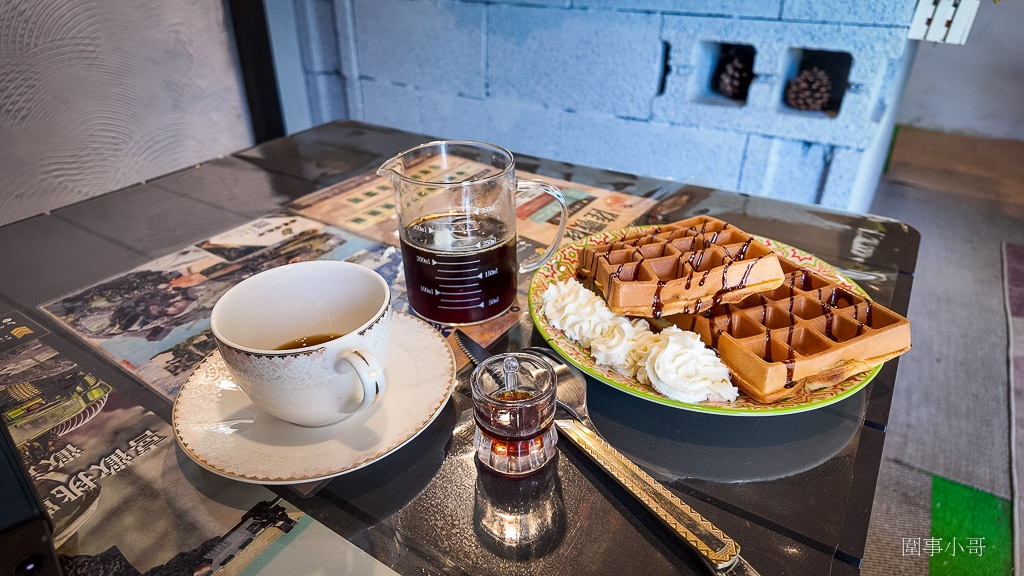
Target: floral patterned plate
562,265
220,429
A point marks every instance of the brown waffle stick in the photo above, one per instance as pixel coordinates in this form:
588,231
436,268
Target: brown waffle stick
686,267
807,334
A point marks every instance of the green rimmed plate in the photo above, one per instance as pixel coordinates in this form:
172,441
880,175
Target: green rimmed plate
562,265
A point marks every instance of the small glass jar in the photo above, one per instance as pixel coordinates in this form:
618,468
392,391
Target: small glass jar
514,405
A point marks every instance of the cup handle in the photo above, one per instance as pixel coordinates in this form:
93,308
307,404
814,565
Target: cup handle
370,374
531,265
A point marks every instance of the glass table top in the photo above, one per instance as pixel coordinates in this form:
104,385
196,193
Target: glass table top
795,491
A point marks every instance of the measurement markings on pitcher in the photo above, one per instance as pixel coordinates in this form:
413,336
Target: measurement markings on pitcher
480,305
473,277
459,300
458,270
447,264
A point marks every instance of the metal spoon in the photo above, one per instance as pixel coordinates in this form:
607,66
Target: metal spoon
571,393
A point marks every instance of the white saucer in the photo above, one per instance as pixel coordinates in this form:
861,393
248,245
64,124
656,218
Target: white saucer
219,427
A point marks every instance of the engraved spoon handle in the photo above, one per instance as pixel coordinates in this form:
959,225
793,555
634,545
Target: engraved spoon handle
716,549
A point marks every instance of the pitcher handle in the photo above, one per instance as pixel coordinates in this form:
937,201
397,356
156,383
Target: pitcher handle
553,191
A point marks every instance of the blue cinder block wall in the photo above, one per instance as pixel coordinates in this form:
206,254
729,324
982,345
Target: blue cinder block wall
621,84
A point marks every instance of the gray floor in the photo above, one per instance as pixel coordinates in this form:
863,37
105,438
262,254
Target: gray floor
950,413
902,509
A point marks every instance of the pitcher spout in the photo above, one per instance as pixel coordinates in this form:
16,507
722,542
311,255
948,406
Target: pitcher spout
392,168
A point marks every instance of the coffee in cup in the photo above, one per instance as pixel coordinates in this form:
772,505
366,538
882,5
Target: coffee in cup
313,340
307,342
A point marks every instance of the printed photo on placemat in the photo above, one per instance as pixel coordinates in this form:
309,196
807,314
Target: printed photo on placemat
366,204
122,499
154,321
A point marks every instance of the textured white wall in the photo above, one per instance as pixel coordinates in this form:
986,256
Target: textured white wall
96,95
977,88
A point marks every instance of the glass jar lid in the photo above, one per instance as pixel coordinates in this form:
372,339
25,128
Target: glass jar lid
514,378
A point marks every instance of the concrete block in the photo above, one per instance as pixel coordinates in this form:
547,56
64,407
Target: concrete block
756,156
884,12
843,172
697,156
581,60
731,8
520,128
344,26
348,55
326,97
427,44
390,105
876,52
783,169
317,40
553,3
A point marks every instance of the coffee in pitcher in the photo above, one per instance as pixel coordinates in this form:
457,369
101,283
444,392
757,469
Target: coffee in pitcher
459,270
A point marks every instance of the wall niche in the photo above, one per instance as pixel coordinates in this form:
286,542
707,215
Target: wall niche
816,80
725,72
733,71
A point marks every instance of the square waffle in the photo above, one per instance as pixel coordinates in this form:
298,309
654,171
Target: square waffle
686,267
808,333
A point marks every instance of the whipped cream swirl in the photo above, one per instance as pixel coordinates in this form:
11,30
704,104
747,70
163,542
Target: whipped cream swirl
679,366
578,312
675,362
614,343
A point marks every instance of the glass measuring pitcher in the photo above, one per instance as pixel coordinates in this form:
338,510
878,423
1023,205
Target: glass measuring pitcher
457,227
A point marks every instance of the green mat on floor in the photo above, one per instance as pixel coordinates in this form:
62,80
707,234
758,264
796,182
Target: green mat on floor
971,532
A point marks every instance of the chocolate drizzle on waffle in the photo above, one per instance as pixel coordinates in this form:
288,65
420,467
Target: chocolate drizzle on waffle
685,267
657,307
806,334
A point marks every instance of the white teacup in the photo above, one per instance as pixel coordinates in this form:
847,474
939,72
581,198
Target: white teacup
316,384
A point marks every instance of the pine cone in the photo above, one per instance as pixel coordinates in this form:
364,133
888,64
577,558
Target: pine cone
810,90
734,81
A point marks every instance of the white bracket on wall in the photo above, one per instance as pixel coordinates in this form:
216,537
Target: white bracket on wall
946,21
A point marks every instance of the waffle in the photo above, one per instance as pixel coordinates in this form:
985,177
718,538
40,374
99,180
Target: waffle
685,267
807,334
